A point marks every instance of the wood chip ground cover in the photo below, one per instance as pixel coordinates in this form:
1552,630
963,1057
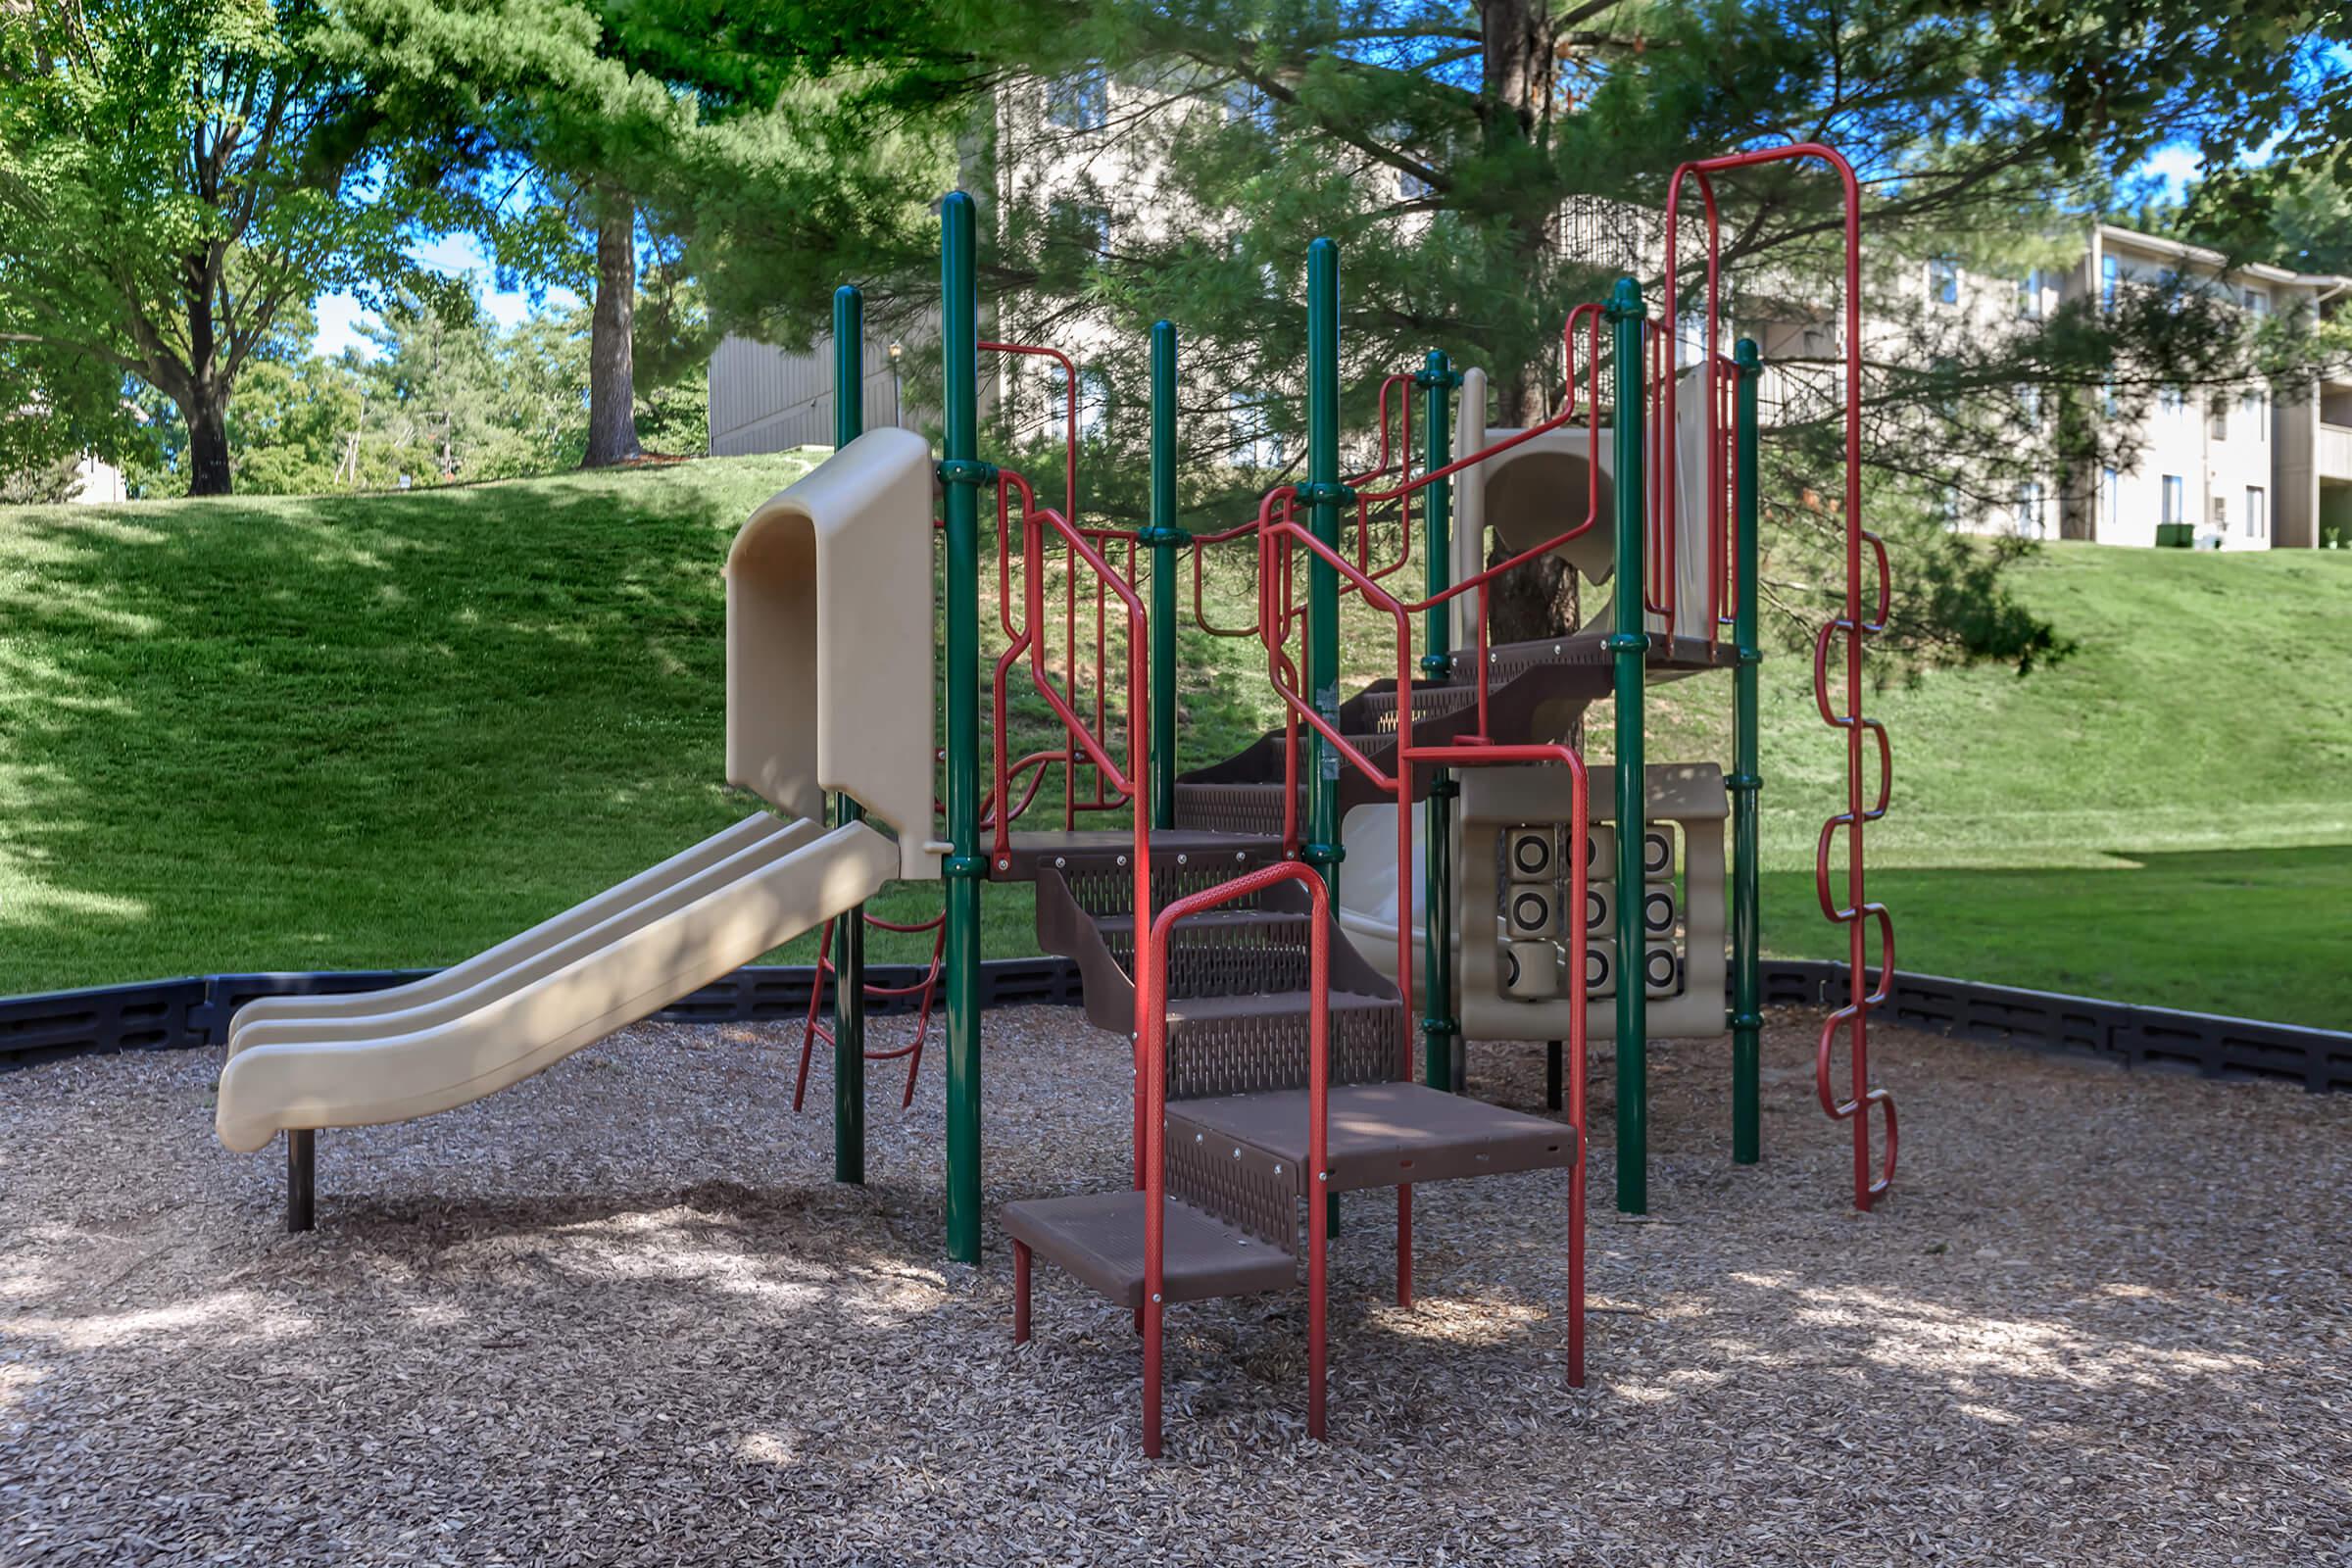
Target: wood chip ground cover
621,1314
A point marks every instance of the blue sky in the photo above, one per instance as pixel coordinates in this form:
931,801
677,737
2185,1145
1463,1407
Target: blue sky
340,315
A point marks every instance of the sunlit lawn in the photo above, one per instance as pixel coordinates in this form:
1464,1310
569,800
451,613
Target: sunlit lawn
387,730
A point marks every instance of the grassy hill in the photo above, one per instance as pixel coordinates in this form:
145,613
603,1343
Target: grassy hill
387,730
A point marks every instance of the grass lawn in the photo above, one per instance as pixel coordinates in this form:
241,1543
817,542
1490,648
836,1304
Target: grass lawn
387,730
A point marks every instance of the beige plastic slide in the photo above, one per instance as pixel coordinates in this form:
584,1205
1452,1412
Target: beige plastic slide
829,662
268,1019
455,1051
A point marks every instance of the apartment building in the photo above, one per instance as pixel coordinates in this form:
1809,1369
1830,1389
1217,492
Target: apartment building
2249,469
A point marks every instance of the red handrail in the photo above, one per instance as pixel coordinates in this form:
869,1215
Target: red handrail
1152,1021
1133,781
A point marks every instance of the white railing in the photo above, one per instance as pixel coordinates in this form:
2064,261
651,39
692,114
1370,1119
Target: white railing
2336,452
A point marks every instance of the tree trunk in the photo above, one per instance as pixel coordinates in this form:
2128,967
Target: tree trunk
1517,76
206,411
611,362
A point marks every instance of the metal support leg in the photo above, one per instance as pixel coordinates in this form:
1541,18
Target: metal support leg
302,1178
1405,1245
1020,1292
1551,1074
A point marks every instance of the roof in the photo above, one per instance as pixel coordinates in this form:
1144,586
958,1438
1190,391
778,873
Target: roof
2217,260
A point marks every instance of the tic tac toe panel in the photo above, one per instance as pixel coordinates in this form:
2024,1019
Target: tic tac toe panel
1515,924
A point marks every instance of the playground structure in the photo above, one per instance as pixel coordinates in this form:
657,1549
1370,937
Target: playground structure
1277,941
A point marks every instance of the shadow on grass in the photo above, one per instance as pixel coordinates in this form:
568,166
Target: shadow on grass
389,730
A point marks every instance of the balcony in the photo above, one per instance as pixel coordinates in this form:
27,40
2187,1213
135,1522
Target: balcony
2335,450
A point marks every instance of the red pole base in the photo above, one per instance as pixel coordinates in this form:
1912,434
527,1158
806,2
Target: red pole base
1020,1292
1404,1247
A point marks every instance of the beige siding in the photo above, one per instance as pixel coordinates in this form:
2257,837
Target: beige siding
766,398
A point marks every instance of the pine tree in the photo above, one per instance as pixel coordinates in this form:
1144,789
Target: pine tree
1486,168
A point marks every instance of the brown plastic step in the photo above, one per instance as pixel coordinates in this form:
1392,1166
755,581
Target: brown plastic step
1099,1238
1233,809
1382,1135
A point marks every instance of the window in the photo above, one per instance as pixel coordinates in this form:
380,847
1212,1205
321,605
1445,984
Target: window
1943,281
2258,513
2217,419
1691,339
1084,225
2221,516
2255,404
2110,484
2170,399
1093,405
2028,508
2107,403
2173,511
2029,296
1094,402
2258,303
1256,445
2028,405
1079,103
2110,275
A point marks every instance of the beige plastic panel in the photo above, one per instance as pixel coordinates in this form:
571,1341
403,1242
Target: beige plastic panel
830,639
266,1089
753,829
1368,883
1542,488
526,963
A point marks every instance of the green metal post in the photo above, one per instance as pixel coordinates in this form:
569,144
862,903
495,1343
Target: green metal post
1627,644
1438,1025
1323,493
1745,784
1163,538
963,474
848,931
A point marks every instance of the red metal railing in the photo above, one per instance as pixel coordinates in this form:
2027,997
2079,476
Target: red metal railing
1151,1022
811,1031
1850,628
1073,757
1398,460
1279,542
1133,783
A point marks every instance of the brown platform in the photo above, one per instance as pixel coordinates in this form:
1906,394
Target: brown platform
1382,1135
1098,1238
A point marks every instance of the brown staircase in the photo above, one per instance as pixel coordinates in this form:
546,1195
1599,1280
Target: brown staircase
1236,1122
1236,1127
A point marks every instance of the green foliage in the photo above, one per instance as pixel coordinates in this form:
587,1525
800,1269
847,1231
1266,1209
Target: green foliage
176,174
1480,194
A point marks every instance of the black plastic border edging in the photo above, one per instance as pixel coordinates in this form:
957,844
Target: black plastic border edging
2162,1038
186,1013
190,1013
